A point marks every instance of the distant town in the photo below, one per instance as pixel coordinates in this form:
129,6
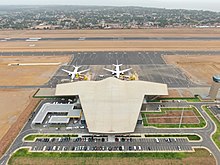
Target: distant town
93,17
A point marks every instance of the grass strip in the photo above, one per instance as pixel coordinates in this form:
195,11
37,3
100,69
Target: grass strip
190,137
33,136
216,135
201,124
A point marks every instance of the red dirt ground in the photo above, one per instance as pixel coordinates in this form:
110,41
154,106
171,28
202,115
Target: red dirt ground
173,117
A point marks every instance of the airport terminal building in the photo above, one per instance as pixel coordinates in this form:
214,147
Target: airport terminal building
109,106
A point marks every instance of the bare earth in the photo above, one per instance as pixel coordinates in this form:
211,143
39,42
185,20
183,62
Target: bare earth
15,107
170,32
200,157
28,75
172,117
199,69
109,45
172,94
13,102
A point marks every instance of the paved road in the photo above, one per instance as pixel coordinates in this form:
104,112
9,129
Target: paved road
205,133
115,39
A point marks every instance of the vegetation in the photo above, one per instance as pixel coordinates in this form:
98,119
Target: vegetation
216,135
193,99
202,122
91,17
23,153
190,137
33,136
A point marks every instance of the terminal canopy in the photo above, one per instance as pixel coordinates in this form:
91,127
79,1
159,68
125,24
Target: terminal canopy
111,105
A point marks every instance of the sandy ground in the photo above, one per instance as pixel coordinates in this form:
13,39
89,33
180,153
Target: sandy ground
177,93
109,45
28,75
13,102
172,94
199,69
172,32
200,157
15,108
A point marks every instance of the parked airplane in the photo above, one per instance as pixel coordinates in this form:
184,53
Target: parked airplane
75,72
117,72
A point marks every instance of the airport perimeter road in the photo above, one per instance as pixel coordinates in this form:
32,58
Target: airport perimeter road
115,39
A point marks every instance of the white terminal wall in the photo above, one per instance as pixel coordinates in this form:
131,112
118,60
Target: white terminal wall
111,105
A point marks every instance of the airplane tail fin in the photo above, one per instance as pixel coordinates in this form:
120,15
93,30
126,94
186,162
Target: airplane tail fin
117,64
77,66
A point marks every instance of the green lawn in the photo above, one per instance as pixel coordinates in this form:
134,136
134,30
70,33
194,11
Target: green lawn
216,135
22,156
193,99
190,137
163,111
33,136
24,153
188,99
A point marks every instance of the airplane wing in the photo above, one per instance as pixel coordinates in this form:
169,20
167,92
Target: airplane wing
83,71
109,70
67,71
122,71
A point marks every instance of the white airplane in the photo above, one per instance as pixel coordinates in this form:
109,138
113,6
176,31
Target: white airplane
117,72
75,72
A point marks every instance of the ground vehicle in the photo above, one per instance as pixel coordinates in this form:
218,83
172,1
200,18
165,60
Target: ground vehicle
69,128
44,148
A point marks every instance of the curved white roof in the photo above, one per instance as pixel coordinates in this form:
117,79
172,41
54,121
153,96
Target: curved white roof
111,105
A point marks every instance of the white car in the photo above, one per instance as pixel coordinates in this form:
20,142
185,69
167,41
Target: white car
157,140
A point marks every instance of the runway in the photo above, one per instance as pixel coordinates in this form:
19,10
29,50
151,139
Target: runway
64,53
113,39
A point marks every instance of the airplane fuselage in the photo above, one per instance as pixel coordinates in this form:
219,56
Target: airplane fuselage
75,72
117,72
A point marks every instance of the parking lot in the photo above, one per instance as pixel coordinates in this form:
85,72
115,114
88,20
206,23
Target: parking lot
216,110
101,144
